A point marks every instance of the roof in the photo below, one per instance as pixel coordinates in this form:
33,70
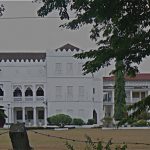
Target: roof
20,56
138,77
68,47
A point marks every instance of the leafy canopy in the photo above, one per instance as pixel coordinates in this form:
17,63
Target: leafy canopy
120,28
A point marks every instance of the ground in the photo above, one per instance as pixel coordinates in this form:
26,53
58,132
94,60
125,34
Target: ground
43,142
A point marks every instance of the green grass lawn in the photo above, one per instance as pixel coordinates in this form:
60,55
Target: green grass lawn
41,142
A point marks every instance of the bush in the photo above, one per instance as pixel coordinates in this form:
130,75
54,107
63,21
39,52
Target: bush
77,121
107,121
60,120
91,121
140,123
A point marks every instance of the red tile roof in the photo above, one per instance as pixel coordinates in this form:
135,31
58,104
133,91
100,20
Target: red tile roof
138,77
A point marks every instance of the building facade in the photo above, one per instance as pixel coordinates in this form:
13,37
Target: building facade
136,88
34,86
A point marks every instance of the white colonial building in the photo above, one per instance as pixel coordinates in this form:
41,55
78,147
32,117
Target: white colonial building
136,88
34,86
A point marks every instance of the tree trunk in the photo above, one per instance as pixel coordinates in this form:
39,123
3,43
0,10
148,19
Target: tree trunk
120,102
19,137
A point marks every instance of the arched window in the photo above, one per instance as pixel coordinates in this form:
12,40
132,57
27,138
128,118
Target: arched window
1,92
39,92
95,115
17,92
28,92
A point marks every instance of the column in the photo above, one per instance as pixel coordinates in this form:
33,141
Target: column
113,103
131,97
23,114
45,115
12,115
34,116
34,93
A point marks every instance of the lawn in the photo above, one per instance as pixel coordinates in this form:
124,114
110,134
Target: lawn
42,142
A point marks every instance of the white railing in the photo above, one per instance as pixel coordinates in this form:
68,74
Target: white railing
40,98
17,98
1,98
29,98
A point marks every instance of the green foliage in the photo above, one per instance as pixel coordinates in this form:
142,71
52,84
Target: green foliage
91,121
141,123
120,102
100,145
107,121
77,121
140,111
2,112
120,28
60,120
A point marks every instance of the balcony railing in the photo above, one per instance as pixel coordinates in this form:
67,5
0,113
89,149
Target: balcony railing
40,98
17,98
108,99
29,98
1,98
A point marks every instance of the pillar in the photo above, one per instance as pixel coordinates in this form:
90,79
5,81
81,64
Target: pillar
34,116
23,114
45,116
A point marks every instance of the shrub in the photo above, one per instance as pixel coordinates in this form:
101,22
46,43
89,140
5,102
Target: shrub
107,121
91,121
60,120
77,121
140,123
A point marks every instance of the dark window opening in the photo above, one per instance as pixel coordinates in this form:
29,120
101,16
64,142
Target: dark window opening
17,93
39,92
95,116
41,114
29,114
1,92
19,115
28,92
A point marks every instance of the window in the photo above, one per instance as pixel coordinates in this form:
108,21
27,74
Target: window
93,90
39,92
28,92
19,115
29,114
58,92
81,91
127,94
136,94
69,92
69,68
143,95
58,68
41,114
1,92
17,92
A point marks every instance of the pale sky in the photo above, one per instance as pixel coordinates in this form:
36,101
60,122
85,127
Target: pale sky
41,34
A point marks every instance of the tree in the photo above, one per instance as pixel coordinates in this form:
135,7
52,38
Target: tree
120,103
120,28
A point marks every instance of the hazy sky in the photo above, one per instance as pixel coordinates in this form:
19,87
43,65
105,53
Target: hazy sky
40,34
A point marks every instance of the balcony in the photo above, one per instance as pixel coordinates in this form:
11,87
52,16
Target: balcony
107,101
17,98
40,98
29,98
1,98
